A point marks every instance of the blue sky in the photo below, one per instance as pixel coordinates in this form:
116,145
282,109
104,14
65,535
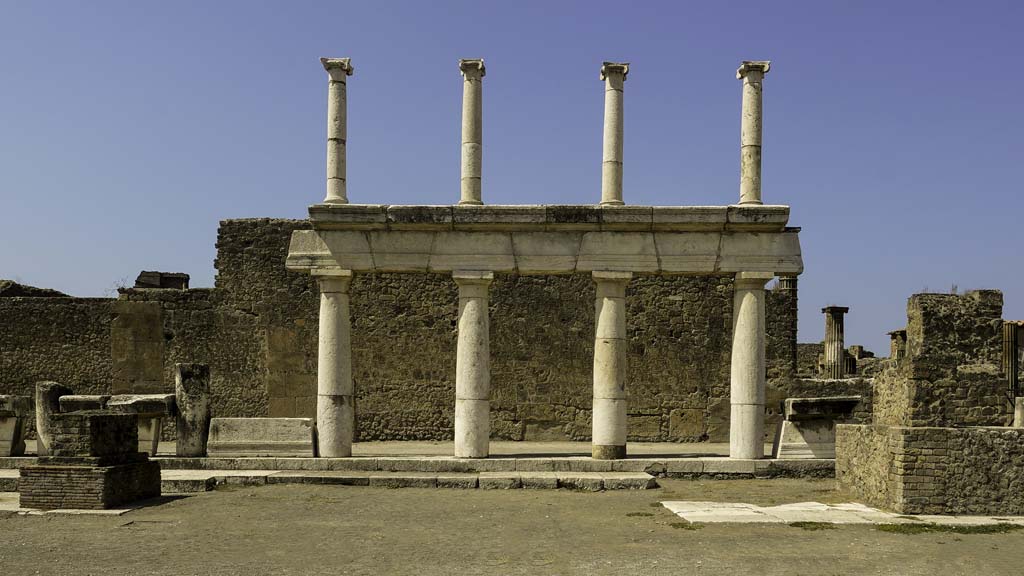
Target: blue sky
893,129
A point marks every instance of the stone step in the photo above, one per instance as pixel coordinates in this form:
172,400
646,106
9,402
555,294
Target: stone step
185,481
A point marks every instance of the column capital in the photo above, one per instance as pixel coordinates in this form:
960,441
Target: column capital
753,66
610,68
472,277
753,279
338,68
472,68
834,310
332,279
610,276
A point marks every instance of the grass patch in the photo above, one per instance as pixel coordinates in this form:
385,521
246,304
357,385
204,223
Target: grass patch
686,525
813,525
636,514
947,529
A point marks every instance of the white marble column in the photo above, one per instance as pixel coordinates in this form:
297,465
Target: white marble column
338,70
752,73
610,351
335,415
746,420
473,72
473,366
614,76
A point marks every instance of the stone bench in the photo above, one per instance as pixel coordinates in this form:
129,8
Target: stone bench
151,410
14,414
250,437
808,428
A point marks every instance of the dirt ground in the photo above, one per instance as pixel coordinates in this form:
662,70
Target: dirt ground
297,529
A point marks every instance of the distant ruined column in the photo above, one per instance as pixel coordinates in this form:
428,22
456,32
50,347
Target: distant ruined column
835,351
610,355
747,370
473,72
192,398
752,73
614,76
1011,358
897,344
473,366
335,414
338,70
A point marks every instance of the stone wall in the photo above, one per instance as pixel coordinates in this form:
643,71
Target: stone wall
927,470
257,329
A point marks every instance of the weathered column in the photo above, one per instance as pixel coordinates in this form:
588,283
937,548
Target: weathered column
747,372
835,349
1011,358
472,129
788,286
335,416
614,76
897,344
610,348
192,398
752,73
473,366
338,70
47,404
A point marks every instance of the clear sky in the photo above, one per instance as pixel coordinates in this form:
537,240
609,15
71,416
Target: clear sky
893,129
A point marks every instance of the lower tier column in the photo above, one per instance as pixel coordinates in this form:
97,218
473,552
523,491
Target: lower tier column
746,419
473,366
610,348
335,414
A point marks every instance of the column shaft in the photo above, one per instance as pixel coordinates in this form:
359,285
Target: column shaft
472,130
1011,358
747,372
335,412
835,346
752,73
338,70
614,76
610,357
473,366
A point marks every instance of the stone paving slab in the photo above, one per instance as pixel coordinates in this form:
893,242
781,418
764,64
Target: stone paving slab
10,502
848,513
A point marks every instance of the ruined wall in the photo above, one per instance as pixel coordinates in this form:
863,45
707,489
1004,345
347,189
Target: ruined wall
257,329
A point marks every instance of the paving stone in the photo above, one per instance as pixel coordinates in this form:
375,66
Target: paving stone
684,467
628,481
403,480
457,480
500,480
587,481
542,480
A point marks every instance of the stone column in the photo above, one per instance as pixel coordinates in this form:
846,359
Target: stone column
1011,358
192,398
897,344
752,73
835,349
747,372
610,349
47,404
335,414
472,129
614,76
338,70
473,366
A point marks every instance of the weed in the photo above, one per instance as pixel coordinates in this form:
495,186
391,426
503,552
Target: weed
940,528
813,525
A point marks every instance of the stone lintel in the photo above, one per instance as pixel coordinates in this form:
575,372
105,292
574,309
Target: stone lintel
472,65
614,68
338,68
748,66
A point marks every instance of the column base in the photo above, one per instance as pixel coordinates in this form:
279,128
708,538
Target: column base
335,426
746,431
601,452
472,428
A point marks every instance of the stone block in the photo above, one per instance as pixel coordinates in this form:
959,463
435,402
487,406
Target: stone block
88,487
539,480
93,434
500,480
628,481
585,481
251,437
77,402
463,481
403,480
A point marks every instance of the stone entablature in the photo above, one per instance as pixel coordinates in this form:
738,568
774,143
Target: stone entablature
549,239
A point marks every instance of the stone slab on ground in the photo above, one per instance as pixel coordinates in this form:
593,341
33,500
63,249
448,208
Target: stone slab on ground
848,513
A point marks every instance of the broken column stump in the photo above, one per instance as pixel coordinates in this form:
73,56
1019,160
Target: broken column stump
93,464
192,392
47,406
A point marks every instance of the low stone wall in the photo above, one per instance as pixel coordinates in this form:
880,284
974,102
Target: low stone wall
933,470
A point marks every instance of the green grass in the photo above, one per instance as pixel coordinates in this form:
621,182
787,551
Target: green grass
636,514
813,525
946,528
686,525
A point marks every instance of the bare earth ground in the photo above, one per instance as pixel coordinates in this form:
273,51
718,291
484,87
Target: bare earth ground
301,529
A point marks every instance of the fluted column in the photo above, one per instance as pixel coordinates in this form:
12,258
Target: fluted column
747,371
752,73
335,413
610,349
473,366
473,72
835,348
614,76
338,70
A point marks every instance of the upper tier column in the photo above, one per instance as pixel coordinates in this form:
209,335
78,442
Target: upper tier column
746,419
614,76
473,366
335,414
752,73
610,353
338,70
472,129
